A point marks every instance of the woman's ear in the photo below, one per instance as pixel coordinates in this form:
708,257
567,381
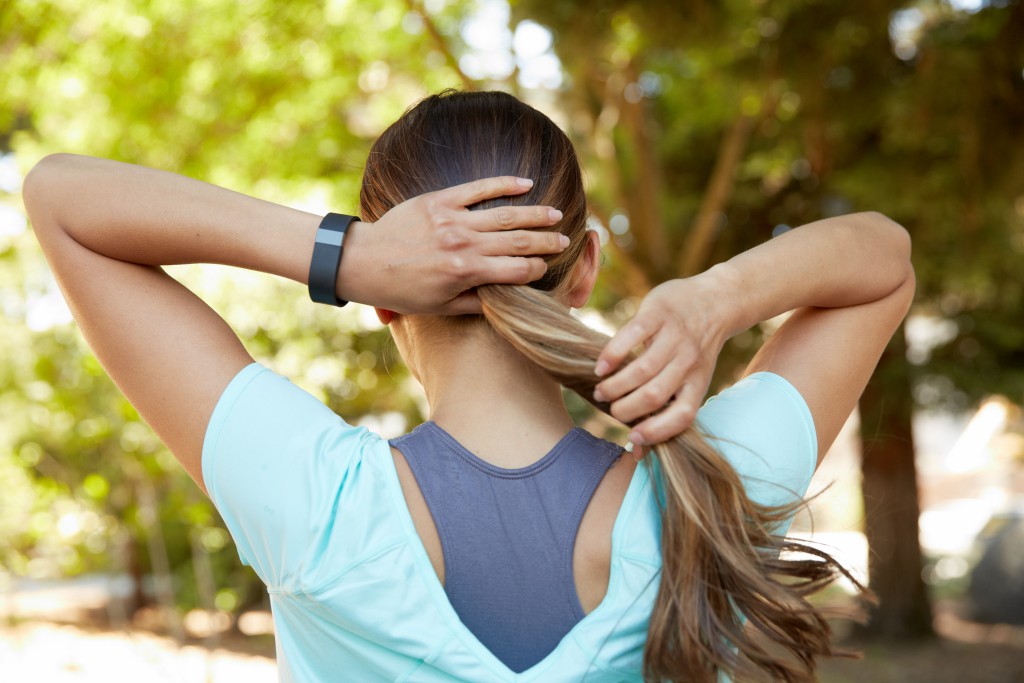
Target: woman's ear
586,271
384,315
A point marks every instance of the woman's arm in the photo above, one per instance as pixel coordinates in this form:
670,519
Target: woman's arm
106,227
852,281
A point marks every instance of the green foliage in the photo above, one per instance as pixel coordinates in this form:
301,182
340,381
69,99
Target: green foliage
281,100
908,108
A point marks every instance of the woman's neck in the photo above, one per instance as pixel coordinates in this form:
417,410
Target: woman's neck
492,400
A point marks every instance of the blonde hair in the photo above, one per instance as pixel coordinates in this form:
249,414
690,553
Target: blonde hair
722,562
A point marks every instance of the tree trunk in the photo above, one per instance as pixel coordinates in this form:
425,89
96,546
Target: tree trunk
138,599
891,507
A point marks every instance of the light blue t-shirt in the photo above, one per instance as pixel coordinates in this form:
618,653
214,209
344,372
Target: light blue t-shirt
315,507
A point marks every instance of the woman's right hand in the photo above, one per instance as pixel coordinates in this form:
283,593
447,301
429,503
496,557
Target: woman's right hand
427,254
682,327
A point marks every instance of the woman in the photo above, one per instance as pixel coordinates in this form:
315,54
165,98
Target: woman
495,542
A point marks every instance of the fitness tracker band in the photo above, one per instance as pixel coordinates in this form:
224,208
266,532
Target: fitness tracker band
323,268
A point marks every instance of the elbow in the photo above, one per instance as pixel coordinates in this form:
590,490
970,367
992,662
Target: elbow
47,167
39,190
901,249
907,279
895,234
35,186
894,251
43,169
906,290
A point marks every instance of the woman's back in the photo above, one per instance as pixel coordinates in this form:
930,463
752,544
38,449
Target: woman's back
317,508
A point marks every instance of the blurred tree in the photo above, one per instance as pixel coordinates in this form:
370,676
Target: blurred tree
280,100
708,126
705,127
948,162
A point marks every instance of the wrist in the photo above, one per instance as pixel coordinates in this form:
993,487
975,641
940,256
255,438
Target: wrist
355,264
725,299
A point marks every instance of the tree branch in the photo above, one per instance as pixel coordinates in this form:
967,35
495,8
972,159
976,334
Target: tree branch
592,103
720,186
607,119
645,217
636,281
442,44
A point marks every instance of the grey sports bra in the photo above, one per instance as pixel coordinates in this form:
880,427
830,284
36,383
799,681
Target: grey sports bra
508,535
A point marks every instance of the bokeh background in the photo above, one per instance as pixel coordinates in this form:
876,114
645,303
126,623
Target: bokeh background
705,128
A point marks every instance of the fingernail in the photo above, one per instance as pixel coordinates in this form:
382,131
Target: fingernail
598,396
524,182
554,214
601,369
636,439
563,241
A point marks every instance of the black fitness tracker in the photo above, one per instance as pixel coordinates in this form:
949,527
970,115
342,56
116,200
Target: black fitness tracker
323,268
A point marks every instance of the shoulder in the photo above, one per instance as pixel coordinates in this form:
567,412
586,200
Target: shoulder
761,406
764,428
291,478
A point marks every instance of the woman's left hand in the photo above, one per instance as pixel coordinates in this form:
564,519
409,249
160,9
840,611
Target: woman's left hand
681,327
427,254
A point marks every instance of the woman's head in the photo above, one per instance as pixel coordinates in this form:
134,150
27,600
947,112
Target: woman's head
456,137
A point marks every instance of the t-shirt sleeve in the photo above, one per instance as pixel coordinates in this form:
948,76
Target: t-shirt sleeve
276,462
763,427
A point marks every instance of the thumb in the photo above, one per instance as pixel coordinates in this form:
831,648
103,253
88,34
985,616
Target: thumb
466,303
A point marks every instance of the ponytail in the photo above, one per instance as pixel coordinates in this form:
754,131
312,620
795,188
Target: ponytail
721,561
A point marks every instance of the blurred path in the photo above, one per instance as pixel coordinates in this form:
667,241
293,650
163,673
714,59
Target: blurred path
39,652
34,648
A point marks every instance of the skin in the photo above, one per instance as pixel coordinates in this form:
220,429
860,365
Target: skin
106,228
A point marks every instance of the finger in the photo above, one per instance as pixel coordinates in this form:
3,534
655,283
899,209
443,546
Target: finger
470,193
675,419
522,243
466,303
640,370
652,396
633,334
511,217
510,270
